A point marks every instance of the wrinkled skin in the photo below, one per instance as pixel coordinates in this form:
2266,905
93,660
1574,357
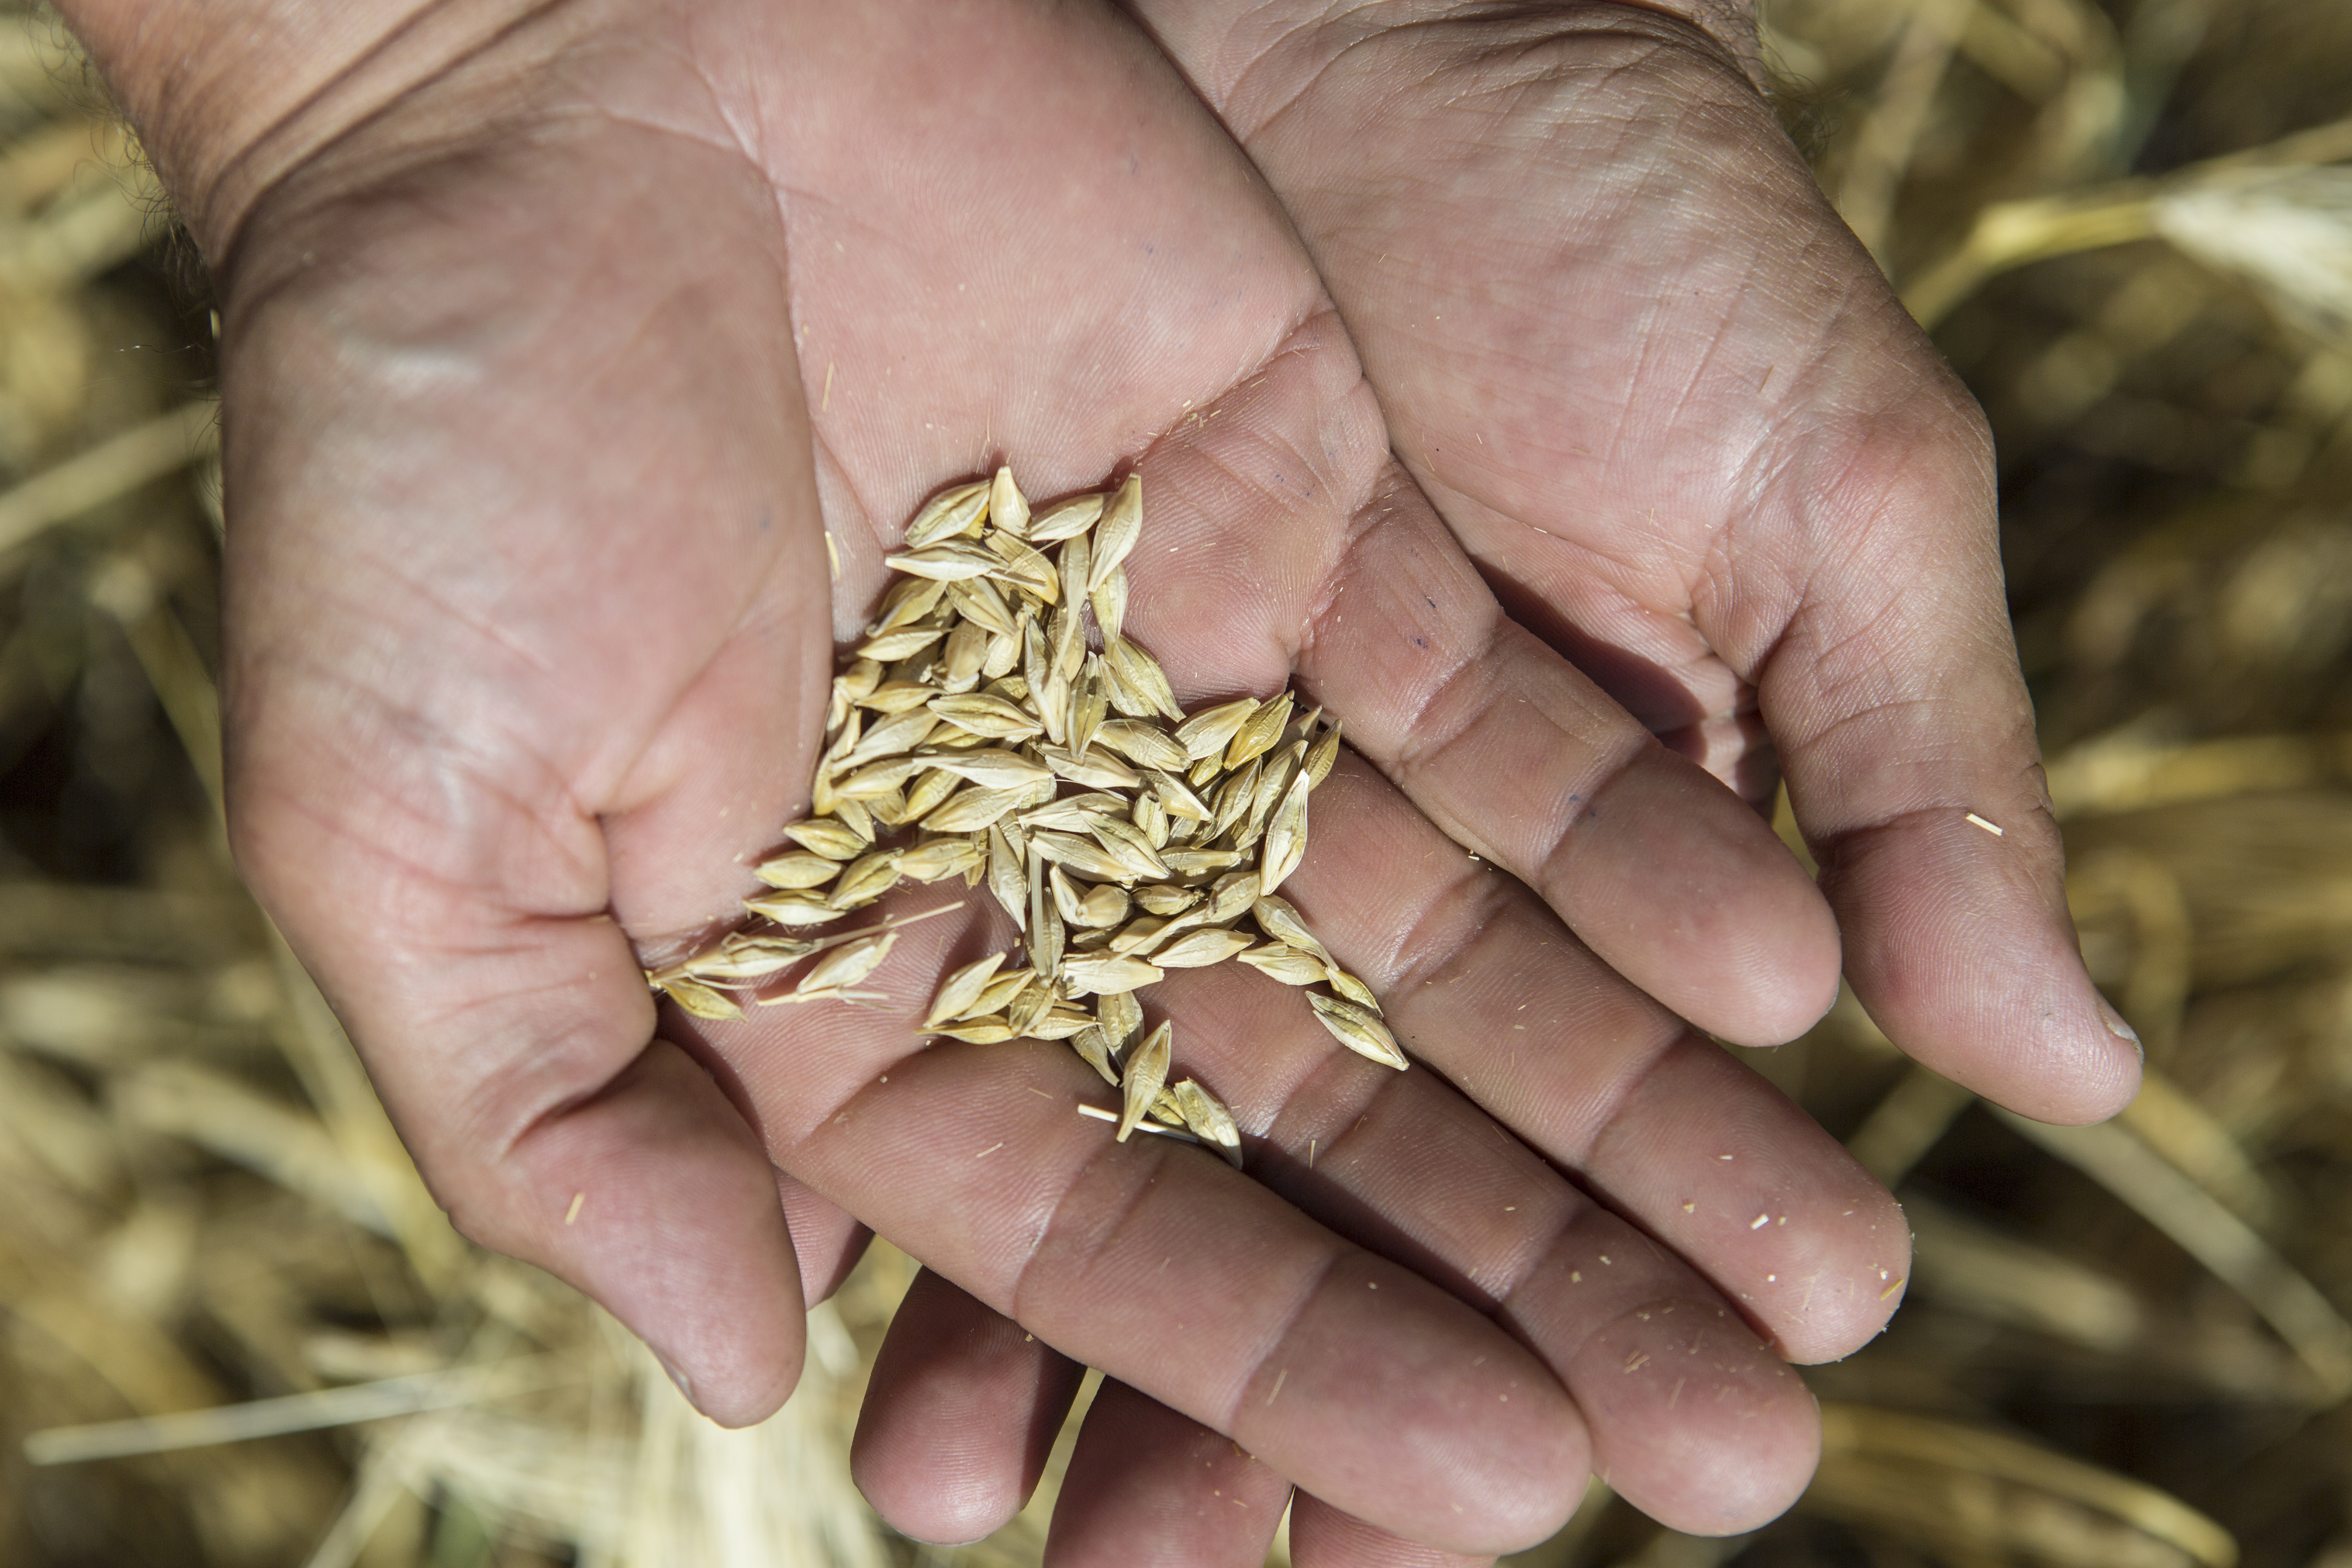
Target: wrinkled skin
1665,401
544,381
1663,397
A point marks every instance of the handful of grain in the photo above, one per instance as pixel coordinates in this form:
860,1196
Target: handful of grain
975,727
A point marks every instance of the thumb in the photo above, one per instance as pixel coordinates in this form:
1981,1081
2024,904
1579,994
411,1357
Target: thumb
1907,738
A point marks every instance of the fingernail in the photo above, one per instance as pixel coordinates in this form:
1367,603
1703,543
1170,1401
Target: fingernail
2118,1028
685,1384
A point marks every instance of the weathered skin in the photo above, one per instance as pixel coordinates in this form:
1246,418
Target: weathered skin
558,336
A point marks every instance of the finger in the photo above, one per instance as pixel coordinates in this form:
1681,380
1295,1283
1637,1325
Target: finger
1147,1485
653,1198
511,1052
1667,875
1907,738
1691,1415
1670,878
1778,486
1322,1536
960,1411
510,1048
670,1221
1667,1127
1168,1270
827,1241
1688,1414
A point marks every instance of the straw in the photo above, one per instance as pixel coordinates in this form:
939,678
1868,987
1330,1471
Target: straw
2127,226
296,1413
2217,1238
113,469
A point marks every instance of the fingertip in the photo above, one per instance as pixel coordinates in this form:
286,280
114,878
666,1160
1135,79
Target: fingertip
827,1241
1658,1384
1736,1179
1840,1293
1499,1451
1794,988
735,1385
730,1393
1148,1485
1960,946
655,1199
959,1412
955,1505
2104,1078
1322,1536
2110,1076
1680,887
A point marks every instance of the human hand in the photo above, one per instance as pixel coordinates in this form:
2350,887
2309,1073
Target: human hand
1667,403
473,348
1506,209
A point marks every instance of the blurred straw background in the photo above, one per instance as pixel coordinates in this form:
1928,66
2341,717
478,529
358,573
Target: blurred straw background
236,1333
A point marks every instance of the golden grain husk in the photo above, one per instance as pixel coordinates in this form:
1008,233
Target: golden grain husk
1206,1116
1142,1077
1122,836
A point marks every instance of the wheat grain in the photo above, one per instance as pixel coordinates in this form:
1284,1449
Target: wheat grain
982,605
954,510
1115,536
1083,856
962,989
793,910
952,561
797,871
897,695
847,964
1358,1029
1288,964
993,769
972,810
867,878
1102,908
1143,1076
1259,732
1201,949
979,1031
700,1000
1094,768
1286,837
1030,1008
1109,600
853,816
1121,1017
1093,1050
1096,973
909,600
1123,837
931,791
987,714
1060,1022
1353,989
1208,1119
998,994
1066,519
898,645
1008,509
1145,745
